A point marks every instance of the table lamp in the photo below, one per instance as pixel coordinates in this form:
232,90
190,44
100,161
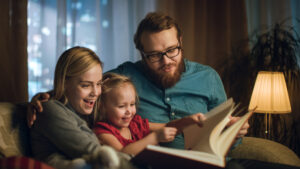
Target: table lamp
270,96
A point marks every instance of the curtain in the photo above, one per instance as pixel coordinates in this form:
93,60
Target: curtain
13,53
105,26
210,27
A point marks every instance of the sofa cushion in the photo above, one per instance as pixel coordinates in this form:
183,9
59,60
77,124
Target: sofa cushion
265,150
14,133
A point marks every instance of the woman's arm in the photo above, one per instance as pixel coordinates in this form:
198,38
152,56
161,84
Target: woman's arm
164,134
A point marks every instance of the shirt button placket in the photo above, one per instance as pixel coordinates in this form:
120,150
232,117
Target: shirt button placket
172,117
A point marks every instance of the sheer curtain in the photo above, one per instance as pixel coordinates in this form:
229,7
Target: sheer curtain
265,13
105,26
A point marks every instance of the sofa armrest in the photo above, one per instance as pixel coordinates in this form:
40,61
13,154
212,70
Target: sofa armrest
14,133
265,150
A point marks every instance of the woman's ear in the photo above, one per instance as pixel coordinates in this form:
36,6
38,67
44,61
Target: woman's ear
67,87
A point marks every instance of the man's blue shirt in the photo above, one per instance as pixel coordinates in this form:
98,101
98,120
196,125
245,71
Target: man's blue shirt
199,90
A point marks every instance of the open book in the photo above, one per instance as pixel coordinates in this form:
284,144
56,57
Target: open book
205,147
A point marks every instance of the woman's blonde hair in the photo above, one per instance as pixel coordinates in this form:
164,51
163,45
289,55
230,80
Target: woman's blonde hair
72,63
111,81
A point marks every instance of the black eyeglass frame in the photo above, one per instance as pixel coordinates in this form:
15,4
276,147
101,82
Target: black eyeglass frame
161,54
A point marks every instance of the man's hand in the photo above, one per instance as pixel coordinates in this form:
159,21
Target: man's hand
35,106
198,118
244,129
166,134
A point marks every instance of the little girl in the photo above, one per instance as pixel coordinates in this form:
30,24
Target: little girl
120,127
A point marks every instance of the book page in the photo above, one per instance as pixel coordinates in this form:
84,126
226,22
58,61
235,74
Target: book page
226,139
217,131
198,138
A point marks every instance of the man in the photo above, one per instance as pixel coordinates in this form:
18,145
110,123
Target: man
170,86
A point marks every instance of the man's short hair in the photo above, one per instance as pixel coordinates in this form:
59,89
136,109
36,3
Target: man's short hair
155,22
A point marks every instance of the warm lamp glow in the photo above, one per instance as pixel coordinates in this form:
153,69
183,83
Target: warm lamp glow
270,94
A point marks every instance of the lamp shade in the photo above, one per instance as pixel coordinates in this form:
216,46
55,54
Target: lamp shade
270,94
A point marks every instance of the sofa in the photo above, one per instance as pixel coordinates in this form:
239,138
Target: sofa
14,140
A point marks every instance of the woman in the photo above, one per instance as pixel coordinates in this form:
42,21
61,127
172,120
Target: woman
61,135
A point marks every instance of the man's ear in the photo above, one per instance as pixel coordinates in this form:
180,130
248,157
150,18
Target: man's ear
141,53
143,57
180,41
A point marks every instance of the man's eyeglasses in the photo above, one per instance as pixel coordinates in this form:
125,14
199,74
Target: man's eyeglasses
170,53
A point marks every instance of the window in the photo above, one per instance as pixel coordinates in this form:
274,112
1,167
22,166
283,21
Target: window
105,26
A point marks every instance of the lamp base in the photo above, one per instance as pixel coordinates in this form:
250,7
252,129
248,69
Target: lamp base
268,126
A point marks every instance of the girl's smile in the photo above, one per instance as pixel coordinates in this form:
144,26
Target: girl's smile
121,105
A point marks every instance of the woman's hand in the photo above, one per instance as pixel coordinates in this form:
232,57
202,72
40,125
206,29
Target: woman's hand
35,106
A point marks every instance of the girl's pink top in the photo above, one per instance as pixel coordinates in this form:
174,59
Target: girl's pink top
138,127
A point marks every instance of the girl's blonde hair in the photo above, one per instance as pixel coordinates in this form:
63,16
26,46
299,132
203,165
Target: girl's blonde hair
111,81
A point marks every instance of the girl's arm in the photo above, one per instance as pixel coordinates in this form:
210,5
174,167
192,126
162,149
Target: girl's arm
180,124
164,134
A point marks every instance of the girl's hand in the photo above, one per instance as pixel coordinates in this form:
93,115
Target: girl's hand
180,124
165,134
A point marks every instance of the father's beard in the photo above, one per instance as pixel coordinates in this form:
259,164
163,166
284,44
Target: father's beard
165,81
